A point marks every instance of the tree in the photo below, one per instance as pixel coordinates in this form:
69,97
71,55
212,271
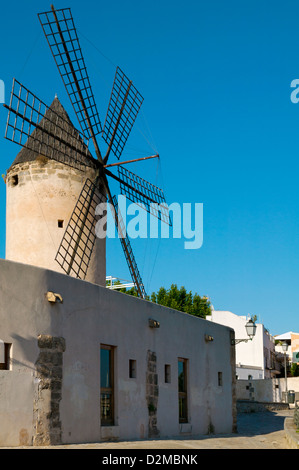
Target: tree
295,370
180,299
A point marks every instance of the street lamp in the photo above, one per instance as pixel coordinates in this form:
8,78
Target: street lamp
250,330
285,348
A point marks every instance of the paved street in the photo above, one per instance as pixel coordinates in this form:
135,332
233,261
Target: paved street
262,430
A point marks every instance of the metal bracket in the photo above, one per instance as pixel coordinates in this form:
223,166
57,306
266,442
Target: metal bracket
237,341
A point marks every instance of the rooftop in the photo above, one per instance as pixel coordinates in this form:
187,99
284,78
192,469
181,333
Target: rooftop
55,118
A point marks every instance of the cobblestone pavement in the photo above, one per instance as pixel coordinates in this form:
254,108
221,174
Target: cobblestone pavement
260,430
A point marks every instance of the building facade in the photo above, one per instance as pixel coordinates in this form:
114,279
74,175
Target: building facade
255,359
292,340
84,363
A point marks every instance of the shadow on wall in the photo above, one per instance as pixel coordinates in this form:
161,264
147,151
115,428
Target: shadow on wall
25,348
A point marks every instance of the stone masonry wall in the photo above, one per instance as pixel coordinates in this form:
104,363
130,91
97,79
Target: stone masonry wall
49,375
152,393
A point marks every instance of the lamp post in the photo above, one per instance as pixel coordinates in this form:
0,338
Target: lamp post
250,330
285,348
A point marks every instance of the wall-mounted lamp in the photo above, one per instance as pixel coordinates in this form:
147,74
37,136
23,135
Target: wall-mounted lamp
208,338
250,330
54,298
153,323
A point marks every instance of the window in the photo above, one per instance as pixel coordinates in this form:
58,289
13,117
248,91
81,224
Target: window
60,223
167,374
7,352
182,386
219,379
107,385
132,369
15,180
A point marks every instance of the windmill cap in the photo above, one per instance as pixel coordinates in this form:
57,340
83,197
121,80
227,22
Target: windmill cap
26,154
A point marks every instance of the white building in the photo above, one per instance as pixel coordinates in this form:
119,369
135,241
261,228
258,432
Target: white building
255,359
292,340
87,364
80,362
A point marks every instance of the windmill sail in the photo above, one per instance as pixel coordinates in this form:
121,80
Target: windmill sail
127,248
76,247
125,102
144,193
61,34
45,130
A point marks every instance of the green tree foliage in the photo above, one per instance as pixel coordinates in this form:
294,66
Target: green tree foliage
295,370
180,299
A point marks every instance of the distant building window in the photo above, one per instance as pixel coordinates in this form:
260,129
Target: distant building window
220,379
107,385
183,390
7,357
60,223
167,374
132,369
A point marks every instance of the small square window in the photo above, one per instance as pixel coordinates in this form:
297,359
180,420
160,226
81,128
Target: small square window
60,223
132,369
15,180
167,373
220,379
7,357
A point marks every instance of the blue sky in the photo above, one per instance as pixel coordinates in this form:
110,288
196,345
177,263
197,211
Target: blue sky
215,77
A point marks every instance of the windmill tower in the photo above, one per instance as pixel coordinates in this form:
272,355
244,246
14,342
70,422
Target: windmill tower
64,173
41,194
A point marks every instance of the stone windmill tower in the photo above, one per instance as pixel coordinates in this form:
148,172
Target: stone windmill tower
41,195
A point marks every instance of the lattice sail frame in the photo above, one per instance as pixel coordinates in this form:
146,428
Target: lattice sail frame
144,193
125,102
62,37
76,247
39,128
127,249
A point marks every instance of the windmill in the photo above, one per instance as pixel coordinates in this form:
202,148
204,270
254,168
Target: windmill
55,139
